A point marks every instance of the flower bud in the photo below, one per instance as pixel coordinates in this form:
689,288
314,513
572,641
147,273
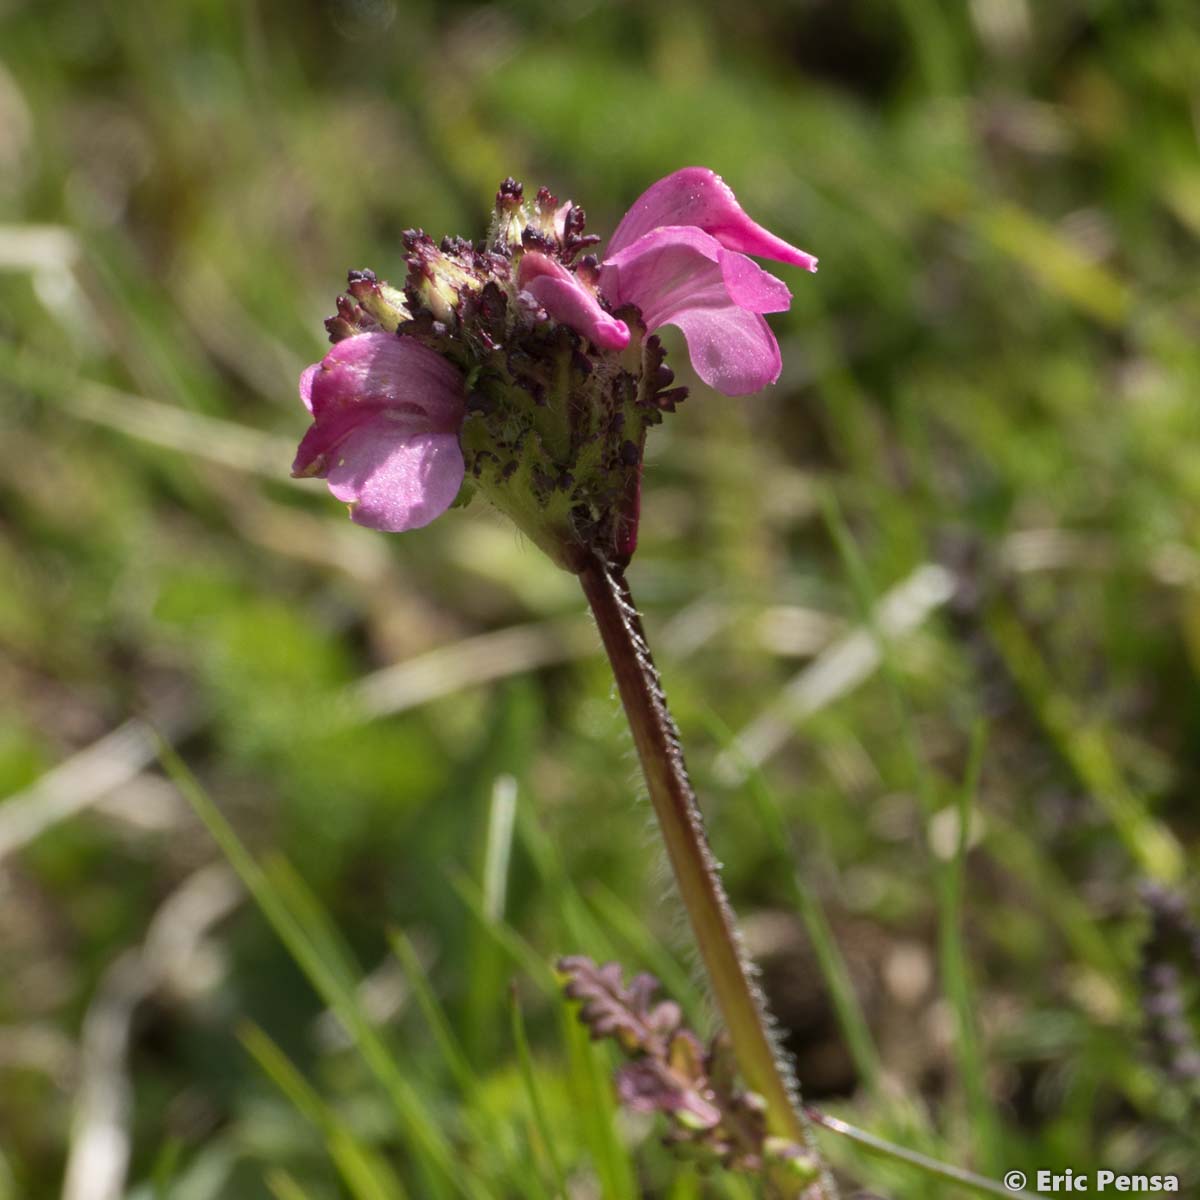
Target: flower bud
510,217
440,278
382,302
368,306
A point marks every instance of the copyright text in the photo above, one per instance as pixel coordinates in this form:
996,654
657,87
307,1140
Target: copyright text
1093,1182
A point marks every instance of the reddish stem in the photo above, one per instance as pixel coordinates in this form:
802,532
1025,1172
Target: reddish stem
696,872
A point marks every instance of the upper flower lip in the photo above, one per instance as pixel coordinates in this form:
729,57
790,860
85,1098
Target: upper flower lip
381,370
700,197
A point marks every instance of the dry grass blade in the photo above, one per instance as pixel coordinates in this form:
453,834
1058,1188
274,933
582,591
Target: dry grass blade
474,660
100,1141
224,442
208,438
839,669
37,248
85,779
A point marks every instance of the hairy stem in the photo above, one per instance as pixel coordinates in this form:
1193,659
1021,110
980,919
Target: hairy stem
696,872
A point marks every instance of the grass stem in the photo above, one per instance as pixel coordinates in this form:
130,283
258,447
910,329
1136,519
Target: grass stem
940,1170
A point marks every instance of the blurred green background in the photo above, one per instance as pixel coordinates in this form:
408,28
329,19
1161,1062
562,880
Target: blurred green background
984,442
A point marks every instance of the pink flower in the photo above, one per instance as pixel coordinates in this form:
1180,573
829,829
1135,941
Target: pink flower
679,255
555,443
386,418
569,301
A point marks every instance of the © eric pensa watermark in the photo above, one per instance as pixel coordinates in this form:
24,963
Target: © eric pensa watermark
1092,1181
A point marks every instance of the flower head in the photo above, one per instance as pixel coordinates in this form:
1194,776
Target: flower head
679,256
530,371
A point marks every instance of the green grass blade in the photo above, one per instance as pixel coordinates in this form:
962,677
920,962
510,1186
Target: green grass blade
431,1151
1053,894
946,1172
947,875
365,1174
581,926
284,1187
685,1185
310,915
498,848
850,1017
592,1092
522,954
596,1106
956,978
1084,746
482,1016
544,1140
166,1165
921,778
433,1012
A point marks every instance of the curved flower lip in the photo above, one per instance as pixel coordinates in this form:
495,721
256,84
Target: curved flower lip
398,482
700,197
567,300
679,275
386,416
657,270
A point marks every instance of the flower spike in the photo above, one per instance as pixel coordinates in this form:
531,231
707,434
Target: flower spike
528,370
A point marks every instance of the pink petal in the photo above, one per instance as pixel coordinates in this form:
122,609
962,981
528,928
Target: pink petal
394,479
325,436
568,301
306,384
697,196
383,370
681,276
386,415
659,270
749,286
731,349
